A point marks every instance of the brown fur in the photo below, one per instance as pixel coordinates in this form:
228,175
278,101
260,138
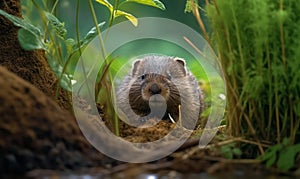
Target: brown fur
139,94
166,76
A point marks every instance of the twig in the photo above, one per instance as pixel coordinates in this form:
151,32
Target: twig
195,149
222,143
253,142
200,22
216,65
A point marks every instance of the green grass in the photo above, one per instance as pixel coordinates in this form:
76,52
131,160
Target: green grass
259,49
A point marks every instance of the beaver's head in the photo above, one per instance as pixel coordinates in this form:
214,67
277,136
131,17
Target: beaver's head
153,84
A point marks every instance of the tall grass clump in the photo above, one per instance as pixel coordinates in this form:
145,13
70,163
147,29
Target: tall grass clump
258,44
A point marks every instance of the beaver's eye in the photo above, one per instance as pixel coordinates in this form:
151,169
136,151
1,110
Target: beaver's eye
143,76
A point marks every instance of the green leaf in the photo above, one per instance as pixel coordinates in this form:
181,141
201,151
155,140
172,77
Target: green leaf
88,37
65,81
74,47
270,152
271,161
30,37
153,3
286,159
270,155
30,41
237,151
286,141
189,6
106,3
130,17
59,27
21,23
69,44
227,151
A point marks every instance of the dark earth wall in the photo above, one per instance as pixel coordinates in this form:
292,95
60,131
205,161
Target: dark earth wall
36,131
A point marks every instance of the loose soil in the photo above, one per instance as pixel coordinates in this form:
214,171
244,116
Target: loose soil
36,133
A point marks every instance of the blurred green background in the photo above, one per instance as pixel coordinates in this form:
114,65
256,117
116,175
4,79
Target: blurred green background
66,12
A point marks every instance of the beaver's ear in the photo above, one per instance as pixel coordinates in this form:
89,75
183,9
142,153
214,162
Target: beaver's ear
181,64
135,67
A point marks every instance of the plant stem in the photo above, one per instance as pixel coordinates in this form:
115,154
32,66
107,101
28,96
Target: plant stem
282,37
79,49
112,15
108,84
200,22
98,29
59,57
270,91
239,43
277,110
54,6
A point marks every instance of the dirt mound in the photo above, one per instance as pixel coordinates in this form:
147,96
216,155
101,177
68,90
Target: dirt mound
36,133
32,65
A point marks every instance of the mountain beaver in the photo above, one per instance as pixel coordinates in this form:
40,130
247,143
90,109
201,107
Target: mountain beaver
155,88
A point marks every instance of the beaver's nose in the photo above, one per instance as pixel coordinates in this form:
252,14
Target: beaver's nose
154,89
